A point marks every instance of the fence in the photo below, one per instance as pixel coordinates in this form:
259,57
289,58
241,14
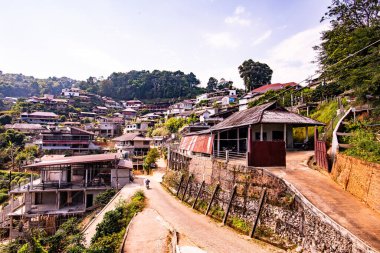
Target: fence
320,152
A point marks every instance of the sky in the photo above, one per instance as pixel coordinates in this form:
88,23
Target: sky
82,38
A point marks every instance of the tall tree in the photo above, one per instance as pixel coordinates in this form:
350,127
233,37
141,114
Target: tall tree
255,74
349,52
212,84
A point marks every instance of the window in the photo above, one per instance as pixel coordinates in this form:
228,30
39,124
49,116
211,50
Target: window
277,135
257,136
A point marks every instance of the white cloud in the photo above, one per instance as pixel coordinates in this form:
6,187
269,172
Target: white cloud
262,38
238,18
239,10
221,40
291,59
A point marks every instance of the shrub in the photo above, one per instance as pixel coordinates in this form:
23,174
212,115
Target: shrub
364,146
104,197
3,197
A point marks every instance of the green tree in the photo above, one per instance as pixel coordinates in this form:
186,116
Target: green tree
212,84
5,119
255,74
173,124
150,159
349,52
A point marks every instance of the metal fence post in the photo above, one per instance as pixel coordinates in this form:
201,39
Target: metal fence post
180,184
233,191
227,156
261,204
187,185
212,198
198,194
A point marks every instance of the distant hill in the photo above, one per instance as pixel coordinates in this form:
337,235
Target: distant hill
19,85
144,85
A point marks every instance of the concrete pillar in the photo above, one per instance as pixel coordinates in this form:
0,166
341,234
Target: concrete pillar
86,178
58,198
307,133
285,135
237,142
261,132
60,178
218,144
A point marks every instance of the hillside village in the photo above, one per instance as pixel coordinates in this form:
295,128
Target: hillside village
158,161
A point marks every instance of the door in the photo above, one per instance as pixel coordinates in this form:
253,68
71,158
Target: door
69,175
90,200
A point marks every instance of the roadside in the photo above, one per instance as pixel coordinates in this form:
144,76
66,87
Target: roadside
125,193
195,229
328,197
148,233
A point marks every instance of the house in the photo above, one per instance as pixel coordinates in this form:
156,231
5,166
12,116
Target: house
66,186
29,129
39,117
138,126
264,132
101,110
105,127
134,104
258,136
112,104
87,115
71,92
227,100
133,146
71,140
258,92
129,113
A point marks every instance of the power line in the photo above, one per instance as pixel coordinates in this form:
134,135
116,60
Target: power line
349,56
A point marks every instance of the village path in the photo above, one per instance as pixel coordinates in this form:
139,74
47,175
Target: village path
195,229
327,196
124,194
148,233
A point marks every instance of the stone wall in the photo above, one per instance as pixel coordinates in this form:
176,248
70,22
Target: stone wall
288,219
360,178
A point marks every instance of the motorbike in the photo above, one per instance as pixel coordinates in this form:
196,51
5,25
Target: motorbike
147,181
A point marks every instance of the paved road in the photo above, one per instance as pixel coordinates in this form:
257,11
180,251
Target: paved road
328,197
197,229
125,193
148,233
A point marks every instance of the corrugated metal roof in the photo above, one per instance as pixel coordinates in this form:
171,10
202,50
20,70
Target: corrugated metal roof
247,117
197,143
274,116
266,113
76,160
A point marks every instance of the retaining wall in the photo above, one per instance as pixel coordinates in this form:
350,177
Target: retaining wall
288,219
360,178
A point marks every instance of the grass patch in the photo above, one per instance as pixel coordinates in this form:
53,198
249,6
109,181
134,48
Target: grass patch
239,224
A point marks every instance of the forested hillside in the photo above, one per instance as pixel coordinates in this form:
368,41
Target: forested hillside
19,85
145,85
130,85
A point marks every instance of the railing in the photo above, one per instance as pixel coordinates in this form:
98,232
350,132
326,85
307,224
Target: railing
230,155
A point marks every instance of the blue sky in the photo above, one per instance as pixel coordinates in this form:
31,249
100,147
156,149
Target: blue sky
84,38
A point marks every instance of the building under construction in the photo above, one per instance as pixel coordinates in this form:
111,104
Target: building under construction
66,186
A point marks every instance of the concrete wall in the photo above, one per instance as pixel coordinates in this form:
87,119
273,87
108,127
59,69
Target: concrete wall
360,178
123,177
288,219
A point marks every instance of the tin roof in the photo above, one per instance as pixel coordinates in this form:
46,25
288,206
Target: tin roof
266,113
75,160
131,137
24,126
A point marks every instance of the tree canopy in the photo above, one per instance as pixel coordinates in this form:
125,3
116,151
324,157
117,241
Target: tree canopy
145,85
212,84
255,74
349,52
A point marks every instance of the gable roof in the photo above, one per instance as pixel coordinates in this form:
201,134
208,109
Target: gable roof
128,137
274,86
266,113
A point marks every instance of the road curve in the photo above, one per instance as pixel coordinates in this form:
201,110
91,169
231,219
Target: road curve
202,231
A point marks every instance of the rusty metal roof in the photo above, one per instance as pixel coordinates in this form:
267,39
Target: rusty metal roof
266,113
76,160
